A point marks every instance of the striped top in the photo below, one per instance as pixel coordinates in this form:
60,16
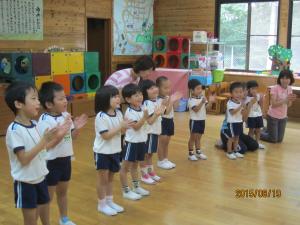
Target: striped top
121,78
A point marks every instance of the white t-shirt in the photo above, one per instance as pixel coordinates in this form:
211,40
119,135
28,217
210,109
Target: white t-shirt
131,135
154,128
63,148
21,137
237,117
171,113
104,123
201,114
255,110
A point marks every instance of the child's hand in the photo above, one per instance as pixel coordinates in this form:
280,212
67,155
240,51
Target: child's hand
65,127
125,124
80,121
253,101
212,98
204,100
292,97
159,110
166,101
176,96
146,114
50,134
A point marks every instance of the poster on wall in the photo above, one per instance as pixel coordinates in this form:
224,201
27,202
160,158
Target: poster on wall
21,19
133,27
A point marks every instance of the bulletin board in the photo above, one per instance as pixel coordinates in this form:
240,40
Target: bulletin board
21,19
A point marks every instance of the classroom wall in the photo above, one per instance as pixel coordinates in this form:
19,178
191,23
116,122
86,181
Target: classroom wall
65,26
176,17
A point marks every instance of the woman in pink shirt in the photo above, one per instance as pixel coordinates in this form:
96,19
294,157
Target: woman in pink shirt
142,68
281,98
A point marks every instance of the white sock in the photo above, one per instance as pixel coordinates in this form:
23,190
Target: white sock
102,202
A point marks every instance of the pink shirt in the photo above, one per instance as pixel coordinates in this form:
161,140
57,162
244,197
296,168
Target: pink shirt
121,78
279,94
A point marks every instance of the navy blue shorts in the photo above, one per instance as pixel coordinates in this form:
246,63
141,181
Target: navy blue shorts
59,170
197,126
151,144
134,151
167,126
235,129
29,196
255,122
109,162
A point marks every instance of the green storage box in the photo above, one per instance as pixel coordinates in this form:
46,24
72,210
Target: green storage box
184,60
93,81
218,75
91,61
159,43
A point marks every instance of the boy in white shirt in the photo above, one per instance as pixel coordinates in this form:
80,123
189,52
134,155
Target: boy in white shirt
197,104
135,141
234,115
255,119
53,100
26,149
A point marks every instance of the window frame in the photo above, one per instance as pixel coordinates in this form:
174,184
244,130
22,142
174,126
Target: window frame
217,26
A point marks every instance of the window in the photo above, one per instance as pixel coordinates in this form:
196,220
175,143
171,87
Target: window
248,28
294,34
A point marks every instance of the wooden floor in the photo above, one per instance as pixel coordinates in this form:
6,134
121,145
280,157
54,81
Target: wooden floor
194,193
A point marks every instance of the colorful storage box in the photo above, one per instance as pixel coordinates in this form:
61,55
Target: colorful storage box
64,80
59,63
77,84
22,66
41,64
91,61
160,59
93,81
218,76
160,44
5,65
205,80
39,80
173,60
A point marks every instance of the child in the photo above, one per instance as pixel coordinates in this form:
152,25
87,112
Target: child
53,100
167,123
135,142
255,119
26,153
109,124
197,106
235,119
150,94
282,97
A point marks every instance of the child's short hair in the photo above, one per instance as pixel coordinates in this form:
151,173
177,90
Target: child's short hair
143,63
129,90
286,74
160,80
17,91
145,85
235,85
252,84
102,97
47,90
193,83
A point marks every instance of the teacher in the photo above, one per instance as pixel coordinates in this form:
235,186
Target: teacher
142,68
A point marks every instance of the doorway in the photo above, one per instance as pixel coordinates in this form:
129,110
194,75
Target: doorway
99,40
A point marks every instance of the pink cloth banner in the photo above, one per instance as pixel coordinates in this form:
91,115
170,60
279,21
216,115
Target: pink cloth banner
178,78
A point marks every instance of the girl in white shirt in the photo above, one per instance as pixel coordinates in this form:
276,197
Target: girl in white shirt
109,124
